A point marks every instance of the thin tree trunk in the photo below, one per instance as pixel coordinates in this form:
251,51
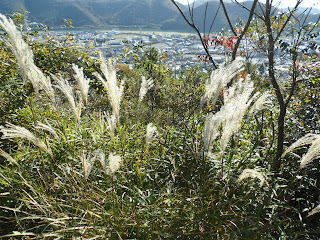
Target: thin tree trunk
271,42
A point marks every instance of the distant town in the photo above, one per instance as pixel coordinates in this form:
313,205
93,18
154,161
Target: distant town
182,50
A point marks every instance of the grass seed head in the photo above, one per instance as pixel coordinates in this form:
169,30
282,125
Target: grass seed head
251,173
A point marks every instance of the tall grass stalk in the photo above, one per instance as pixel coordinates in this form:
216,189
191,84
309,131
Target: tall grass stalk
24,57
150,134
13,131
219,79
67,90
145,86
9,158
114,89
83,82
237,100
314,150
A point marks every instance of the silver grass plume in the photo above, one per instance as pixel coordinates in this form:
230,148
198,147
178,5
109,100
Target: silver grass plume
145,86
150,134
83,82
101,122
87,164
8,157
67,90
305,140
219,80
261,103
24,57
314,150
210,131
89,160
47,127
114,90
237,100
251,173
111,122
13,131
101,157
106,122
314,211
114,163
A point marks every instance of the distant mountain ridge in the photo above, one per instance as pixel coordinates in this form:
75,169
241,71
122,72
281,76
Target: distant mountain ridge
147,14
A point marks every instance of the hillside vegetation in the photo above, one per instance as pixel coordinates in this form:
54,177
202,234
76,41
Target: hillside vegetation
95,150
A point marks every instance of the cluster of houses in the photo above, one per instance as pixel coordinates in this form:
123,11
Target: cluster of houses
182,51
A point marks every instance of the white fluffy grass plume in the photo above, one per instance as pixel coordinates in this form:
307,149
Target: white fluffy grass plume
47,127
111,122
145,86
83,82
314,150
210,130
150,134
219,80
13,131
114,163
237,100
67,90
87,163
24,57
89,160
251,173
110,82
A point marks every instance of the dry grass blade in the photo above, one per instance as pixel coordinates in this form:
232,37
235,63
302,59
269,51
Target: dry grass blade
8,157
314,211
13,131
314,150
67,90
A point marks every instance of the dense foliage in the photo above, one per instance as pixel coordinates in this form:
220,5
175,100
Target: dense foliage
148,171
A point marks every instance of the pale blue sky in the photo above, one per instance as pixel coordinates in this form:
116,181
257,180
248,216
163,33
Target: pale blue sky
283,3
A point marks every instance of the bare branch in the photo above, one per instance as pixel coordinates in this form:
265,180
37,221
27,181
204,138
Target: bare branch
192,24
227,16
234,52
204,21
214,19
288,19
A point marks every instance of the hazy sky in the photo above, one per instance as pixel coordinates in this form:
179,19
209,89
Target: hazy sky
283,3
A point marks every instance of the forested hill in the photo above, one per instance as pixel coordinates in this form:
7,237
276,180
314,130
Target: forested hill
152,14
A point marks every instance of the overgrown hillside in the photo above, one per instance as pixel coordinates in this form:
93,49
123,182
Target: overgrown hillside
91,149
